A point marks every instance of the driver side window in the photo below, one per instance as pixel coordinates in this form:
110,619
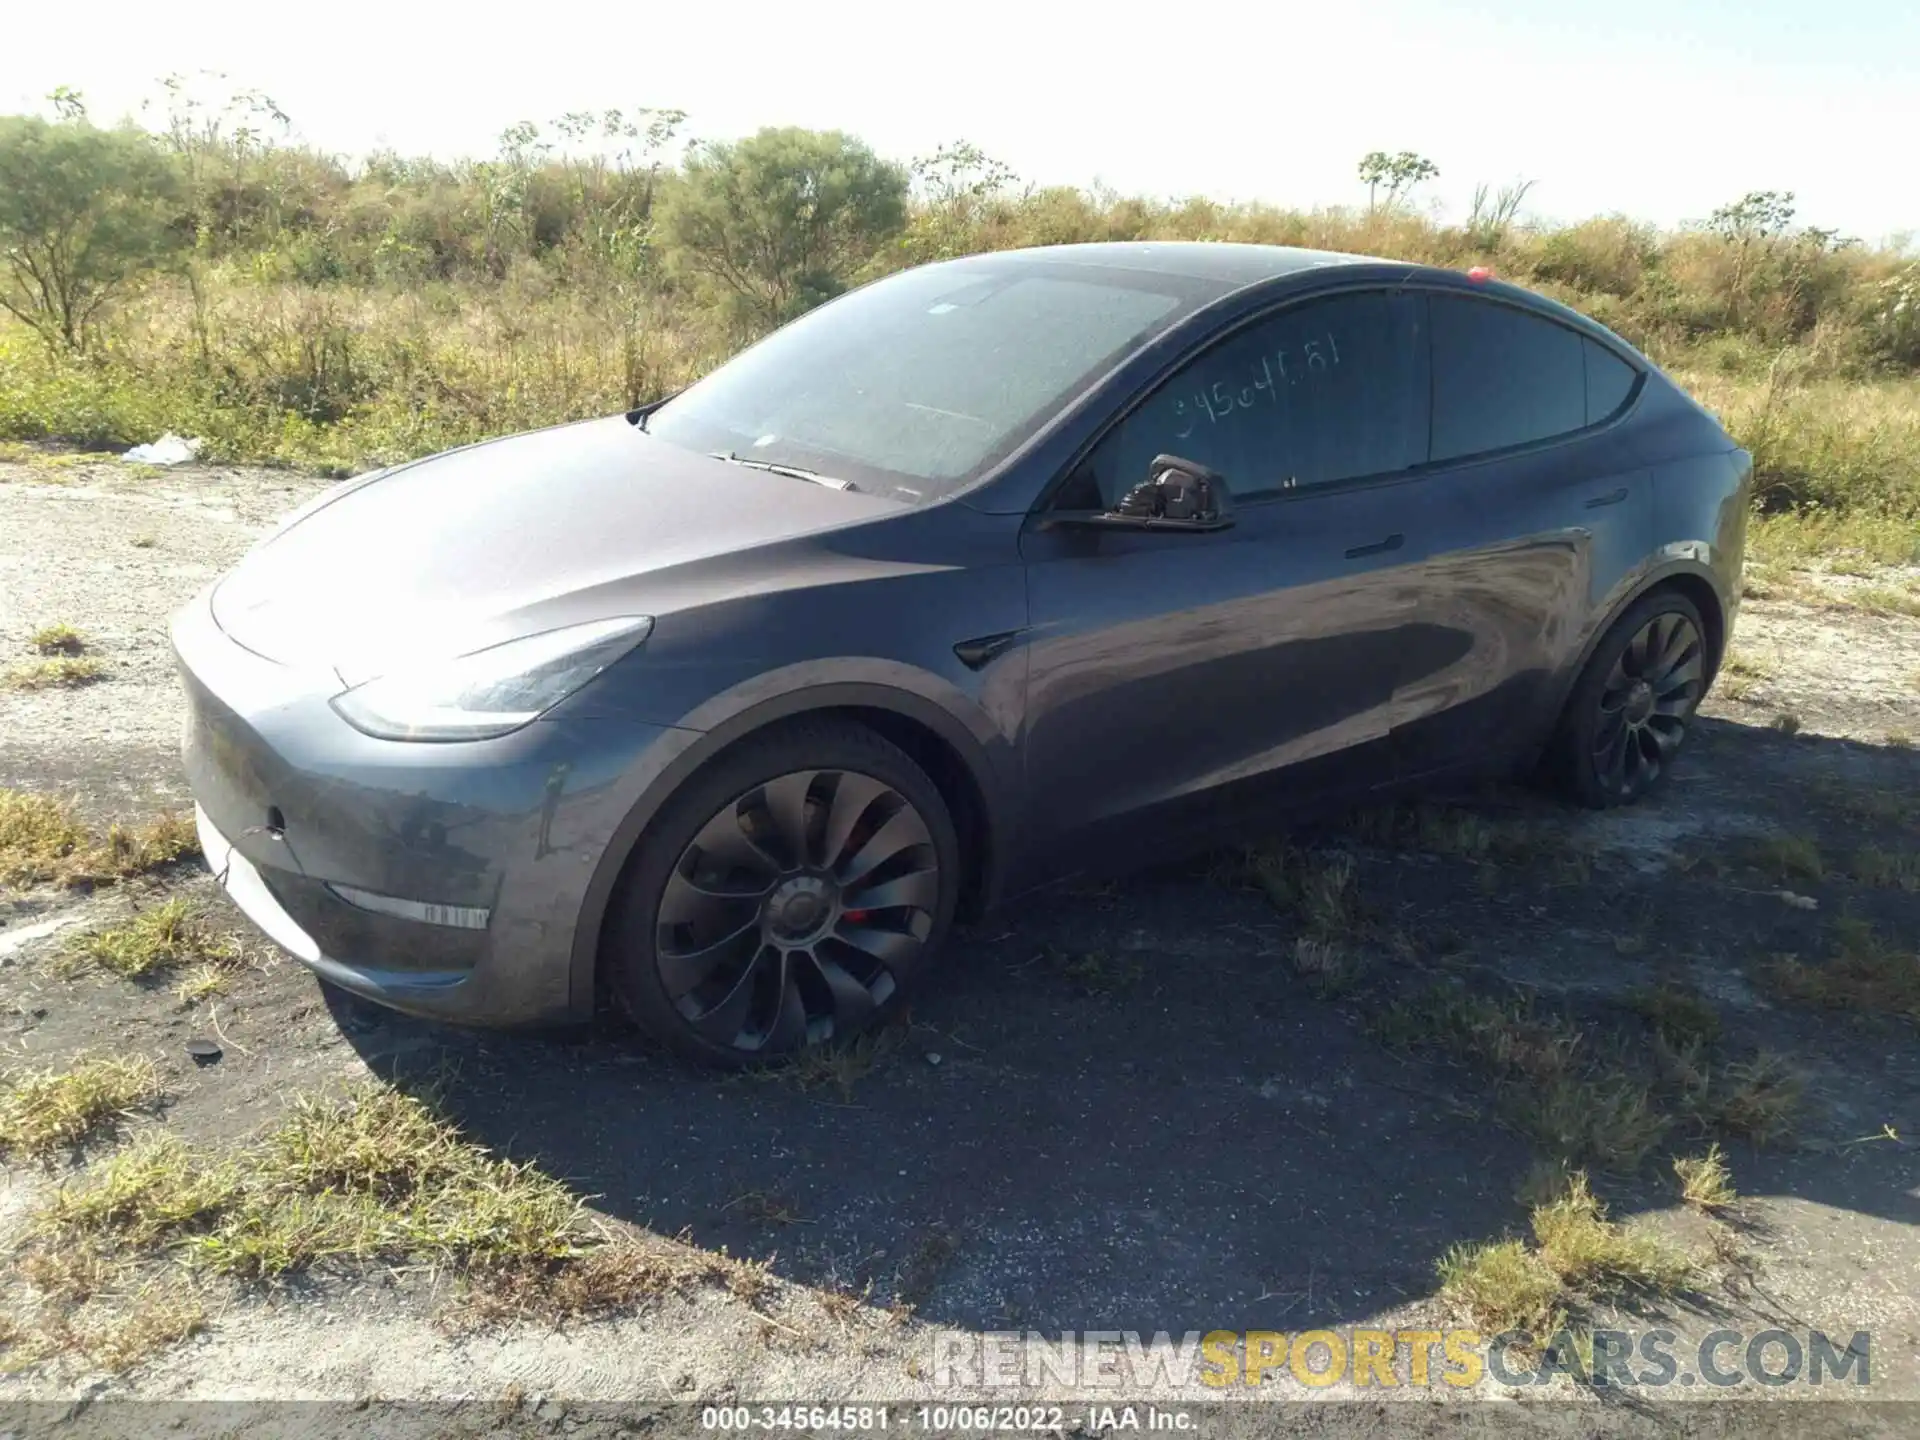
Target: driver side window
1322,391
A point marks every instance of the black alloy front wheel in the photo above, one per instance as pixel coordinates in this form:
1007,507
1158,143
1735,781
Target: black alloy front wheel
789,896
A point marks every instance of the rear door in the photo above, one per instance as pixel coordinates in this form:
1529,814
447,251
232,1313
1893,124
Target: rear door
1184,683
1540,512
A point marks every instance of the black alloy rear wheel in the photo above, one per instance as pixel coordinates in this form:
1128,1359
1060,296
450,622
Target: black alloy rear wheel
1631,710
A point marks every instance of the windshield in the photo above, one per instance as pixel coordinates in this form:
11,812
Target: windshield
914,385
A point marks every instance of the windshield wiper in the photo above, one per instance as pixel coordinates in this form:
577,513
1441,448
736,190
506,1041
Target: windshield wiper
831,482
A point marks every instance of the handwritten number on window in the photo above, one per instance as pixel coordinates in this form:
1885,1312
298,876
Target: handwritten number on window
1221,398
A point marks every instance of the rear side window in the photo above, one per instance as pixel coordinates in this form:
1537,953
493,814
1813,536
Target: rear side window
1502,377
1327,390
1609,382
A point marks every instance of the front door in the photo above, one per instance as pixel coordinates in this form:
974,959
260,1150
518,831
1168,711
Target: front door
1186,684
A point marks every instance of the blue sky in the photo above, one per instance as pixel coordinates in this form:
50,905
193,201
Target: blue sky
1662,111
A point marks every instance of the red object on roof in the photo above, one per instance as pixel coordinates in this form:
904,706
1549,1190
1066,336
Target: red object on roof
1479,273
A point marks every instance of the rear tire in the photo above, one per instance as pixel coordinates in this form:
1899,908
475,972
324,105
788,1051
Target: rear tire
1633,705
792,894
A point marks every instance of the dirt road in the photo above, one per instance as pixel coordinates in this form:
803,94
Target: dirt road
1123,1108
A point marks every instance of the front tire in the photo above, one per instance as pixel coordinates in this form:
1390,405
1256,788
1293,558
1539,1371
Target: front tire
791,895
1634,703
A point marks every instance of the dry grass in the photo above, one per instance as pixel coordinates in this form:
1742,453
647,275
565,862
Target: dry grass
1578,1105
1096,972
1610,1120
1457,832
1501,1286
1507,1036
1328,968
1602,1103
1578,1259
1866,973
1757,1098
1598,1257
58,639
1864,805
1753,667
1886,869
1500,846
163,937
1705,1182
118,1337
1679,1015
372,1177
1882,600
1319,889
60,672
209,979
44,1112
43,841
838,1067
1786,857
114,1332
619,1275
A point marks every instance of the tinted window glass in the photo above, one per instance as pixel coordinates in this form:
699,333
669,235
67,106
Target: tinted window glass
913,384
1322,391
1502,377
1609,382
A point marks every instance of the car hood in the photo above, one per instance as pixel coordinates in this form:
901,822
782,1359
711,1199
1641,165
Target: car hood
504,539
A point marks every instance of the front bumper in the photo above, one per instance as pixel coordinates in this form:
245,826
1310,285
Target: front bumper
487,848
418,992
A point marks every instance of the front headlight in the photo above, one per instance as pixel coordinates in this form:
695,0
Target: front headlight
491,691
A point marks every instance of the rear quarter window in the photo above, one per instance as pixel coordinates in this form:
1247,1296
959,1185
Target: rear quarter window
1502,377
1610,382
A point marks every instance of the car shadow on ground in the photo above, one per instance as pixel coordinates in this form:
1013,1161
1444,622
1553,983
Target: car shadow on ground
1120,1107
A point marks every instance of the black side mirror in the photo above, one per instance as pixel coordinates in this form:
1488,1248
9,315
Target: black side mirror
1178,494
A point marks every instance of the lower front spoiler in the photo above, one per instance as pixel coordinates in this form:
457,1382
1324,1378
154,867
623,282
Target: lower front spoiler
433,994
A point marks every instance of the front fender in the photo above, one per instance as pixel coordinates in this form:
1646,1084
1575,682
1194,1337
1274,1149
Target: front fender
972,729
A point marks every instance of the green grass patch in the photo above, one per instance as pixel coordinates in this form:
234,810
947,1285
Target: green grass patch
1578,1260
1886,869
58,639
1705,1182
1786,857
163,937
1882,600
371,1176
43,841
44,1112
60,672
1596,1097
1679,1014
1866,973
368,1178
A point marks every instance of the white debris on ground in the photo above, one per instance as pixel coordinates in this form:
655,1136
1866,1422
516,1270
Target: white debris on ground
169,449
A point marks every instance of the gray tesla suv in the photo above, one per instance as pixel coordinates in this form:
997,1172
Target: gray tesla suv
990,572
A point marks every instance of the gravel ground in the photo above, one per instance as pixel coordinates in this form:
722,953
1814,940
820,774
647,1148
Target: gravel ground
1184,1141
116,553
